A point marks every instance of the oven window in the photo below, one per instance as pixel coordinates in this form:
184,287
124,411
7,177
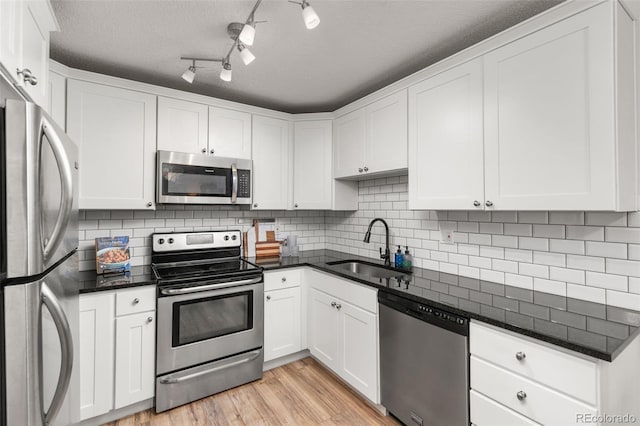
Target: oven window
195,181
211,317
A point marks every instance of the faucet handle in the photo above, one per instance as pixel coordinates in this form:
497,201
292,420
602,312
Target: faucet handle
385,255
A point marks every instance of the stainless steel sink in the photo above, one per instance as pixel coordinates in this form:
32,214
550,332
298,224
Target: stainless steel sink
357,267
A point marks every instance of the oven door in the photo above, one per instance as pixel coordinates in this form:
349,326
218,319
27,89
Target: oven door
208,321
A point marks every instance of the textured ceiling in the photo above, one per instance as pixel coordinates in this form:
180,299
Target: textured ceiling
359,46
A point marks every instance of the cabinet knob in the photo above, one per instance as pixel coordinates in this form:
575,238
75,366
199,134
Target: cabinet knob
268,297
255,205
149,319
295,205
333,304
360,170
149,204
520,356
366,169
477,203
284,279
521,395
204,150
488,203
212,151
136,301
27,76
338,306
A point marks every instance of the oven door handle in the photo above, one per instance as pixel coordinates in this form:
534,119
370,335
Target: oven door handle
199,288
249,356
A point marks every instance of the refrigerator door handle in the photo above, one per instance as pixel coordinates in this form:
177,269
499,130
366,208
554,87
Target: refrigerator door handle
50,244
52,304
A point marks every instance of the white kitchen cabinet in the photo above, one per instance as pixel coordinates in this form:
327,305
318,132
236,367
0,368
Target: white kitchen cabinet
96,361
343,330
446,141
312,188
117,349
282,332
553,138
182,126
229,133
115,130
57,99
516,380
373,139
24,45
135,358
271,163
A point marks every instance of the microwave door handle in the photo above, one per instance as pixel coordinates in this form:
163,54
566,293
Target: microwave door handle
234,183
52,304
66,197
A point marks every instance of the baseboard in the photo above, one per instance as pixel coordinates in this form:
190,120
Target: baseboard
120,413
279,362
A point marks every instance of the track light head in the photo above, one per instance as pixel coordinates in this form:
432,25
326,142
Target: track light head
311,19
189,74
248,34
225,74
245,54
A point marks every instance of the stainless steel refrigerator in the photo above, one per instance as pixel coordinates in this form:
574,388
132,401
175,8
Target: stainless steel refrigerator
38,266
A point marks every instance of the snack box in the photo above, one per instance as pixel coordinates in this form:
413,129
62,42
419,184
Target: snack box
112,255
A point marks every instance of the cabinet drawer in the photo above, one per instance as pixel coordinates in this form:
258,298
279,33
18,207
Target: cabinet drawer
487,412
572,375
132,301
359,295
283,278
538,402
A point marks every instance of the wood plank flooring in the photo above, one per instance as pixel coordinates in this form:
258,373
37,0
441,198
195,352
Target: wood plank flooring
300,393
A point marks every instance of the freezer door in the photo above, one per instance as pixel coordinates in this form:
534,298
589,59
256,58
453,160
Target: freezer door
41,322
42,187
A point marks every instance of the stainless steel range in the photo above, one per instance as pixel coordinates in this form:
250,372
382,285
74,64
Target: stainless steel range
210,316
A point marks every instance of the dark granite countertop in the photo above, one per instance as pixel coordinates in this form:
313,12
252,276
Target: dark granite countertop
589,328
138,276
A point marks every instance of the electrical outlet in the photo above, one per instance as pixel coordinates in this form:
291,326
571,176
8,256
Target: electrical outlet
447,235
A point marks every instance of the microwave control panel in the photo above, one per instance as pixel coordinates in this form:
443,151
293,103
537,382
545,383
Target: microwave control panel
244,183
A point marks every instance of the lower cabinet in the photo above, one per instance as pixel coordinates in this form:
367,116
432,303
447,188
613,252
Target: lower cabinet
343,331
281,323
117,349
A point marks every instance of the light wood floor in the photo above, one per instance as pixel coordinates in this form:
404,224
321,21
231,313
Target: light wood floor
300,393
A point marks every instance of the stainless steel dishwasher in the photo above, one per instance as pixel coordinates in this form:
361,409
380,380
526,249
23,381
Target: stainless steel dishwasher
424,363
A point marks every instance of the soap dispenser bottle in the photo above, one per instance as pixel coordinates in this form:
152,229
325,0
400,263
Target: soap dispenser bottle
407,260
398,258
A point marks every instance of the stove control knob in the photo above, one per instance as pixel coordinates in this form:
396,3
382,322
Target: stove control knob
161,241
234,237
226,238
170,240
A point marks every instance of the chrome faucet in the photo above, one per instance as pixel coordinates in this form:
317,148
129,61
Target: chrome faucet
367,236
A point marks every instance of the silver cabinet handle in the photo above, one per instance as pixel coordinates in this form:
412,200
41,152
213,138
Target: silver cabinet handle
268,297
66,189
27,76
360,170
521,395
338,306
284,279
221,365
520,356
234,183
48,299
255,205
149,319
477,203
366,169
204,150
212,151
295,205
333,304
488,203
136,301
149,204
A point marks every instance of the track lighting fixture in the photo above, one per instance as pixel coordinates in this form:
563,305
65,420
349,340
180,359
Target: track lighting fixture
243,35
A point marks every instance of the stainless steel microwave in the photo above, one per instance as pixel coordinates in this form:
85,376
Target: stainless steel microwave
200,179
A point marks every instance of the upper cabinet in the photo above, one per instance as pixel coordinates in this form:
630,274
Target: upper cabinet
24,45
196,128
271,163
372,140
552,113
115,130
229,133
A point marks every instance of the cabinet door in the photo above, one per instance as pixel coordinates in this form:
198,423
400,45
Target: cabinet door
57,99
229,133
386,134
324,327
281,323
96,353
36,24
549,119
359,349
446,140
115,130
349,136
11,37
271,163
312,165
182,126
135,358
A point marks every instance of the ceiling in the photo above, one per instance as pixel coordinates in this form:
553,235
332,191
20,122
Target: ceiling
359,46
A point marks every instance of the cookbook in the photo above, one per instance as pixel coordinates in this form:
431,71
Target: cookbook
112,255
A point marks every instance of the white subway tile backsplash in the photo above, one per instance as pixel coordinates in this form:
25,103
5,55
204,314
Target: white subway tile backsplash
567,246
633,219
541,244
566,218
575,276
615,250
505,241
519,281
590,233
549,231
493,252
607,281
505,266
551,259
480,239
634,285
491,228
634,252
623,300
504,217
622,235
588,263
606,218
623,267
592,294
490,275
531,270
533,217
521,230
550,286
519,255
